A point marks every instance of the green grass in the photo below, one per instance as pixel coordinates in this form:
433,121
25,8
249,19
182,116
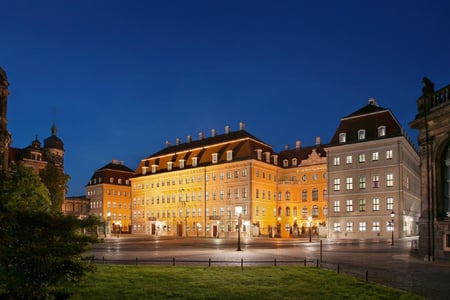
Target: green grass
152,282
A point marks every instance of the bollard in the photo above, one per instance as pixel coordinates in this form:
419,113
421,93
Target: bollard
242,264
304,262
317,263
321,252
209,262
136,261
367,275
338,268
274,262
173,261
103,260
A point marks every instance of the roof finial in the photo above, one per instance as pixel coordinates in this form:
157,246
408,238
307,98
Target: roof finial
54,129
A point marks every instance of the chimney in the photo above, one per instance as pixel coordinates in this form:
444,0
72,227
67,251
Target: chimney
122,163
227,129
286,147
241,126
318,142
178,140
372,101
115,161
200,135
167,144
189,138
298,144
213,132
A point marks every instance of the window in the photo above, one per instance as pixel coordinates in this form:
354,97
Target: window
349,226
236,193
244,192
376,226
288,211
169,166
375,181
229,175
376,204
111,180
304,195
389,203
315,211
348,159
337,206
349,206
362,157
375,156
257,193
362,204
285,163
349,183
362,226
382,131
390,179
304,212
325,211
389,154
361,134
181,163
288,195
244,173
362,182
342,137
229,155
337,227
214,158
315,194
194,161
337,184
336,161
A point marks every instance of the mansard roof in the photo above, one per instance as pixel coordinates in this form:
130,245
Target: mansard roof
369,118
304,155
242,144
114,169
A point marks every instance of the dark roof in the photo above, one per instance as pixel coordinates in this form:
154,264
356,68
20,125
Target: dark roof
115,170
369,118
301,154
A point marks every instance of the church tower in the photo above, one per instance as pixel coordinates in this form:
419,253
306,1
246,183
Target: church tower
5,135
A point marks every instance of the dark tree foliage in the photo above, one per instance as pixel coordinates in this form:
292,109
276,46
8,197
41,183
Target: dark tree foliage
40,248
56,182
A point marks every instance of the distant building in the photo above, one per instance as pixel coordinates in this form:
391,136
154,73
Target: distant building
5,135
373,171
433,122
76,206
109,193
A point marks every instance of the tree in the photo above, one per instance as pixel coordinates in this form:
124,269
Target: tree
40,247
56,182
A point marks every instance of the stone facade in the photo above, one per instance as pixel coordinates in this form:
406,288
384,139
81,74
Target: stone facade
432,121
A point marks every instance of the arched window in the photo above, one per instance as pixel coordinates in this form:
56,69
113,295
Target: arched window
315,194
288,211
315,211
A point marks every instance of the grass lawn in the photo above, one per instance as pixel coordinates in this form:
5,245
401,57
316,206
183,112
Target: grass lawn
154,282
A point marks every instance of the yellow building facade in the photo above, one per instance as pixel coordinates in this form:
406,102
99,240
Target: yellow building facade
214,186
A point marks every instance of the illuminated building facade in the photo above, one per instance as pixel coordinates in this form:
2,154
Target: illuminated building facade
373,177
109,193
198,187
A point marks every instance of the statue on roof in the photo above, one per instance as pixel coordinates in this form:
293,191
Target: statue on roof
428,86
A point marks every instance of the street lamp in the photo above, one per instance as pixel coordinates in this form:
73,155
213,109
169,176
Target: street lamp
392,227
238,213
309,225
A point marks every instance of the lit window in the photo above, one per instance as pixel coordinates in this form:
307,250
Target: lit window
375,181
361,134
315,194
337,206
288,195
229,155
194,161
349,183
342,137
315,211
376,204
389,154
294,162
111,180
349,205
375,156
389,203
337,184
181,163
304,195
349,227
390,179
382,131
304,212
348,159
376,226
362,157
169,165
336,161
362,182
214,158
362,205
154,168
285,163
337,227
362,226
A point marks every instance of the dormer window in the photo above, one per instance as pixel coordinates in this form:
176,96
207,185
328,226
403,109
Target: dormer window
382,131
361,134
214,158
181,163
258,154
154,168
342,137
99,180
169,165
285,163
275,159
111,179
267,157
119,181
294,162
229,155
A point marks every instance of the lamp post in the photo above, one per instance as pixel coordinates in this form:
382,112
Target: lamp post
309,225
108,223
238,213
392,228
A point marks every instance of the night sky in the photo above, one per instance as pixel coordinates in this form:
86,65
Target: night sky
119,78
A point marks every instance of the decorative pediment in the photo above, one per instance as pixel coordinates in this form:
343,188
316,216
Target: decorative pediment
313,159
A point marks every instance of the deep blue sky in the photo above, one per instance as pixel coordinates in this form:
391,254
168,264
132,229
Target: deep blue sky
122,77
